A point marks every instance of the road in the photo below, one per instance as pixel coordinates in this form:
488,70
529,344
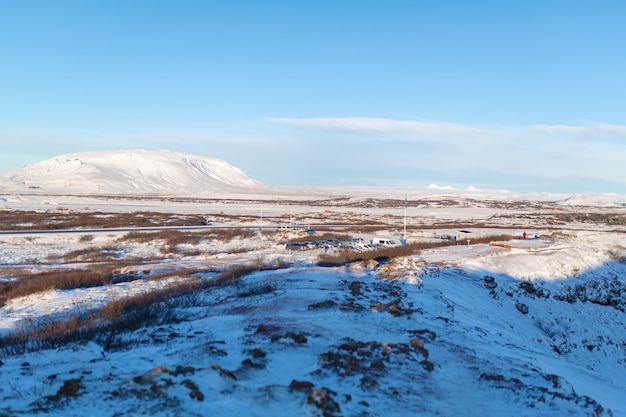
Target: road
111,229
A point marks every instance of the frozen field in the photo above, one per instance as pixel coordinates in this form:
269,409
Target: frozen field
523,327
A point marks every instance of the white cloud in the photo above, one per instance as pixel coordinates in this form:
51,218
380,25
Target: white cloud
417,128
592,130
379,125
492,156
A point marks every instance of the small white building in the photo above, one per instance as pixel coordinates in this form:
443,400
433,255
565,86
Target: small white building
464,235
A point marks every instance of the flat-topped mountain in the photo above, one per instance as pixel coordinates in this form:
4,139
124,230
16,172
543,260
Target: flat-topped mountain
129,171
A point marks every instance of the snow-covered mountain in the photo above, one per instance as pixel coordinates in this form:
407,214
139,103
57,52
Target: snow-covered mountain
129,171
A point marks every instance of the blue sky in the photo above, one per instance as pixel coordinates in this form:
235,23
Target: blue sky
525,96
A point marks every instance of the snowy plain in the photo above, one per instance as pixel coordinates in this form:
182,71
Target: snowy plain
534,327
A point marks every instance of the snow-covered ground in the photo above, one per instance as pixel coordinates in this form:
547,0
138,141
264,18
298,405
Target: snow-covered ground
473,330
529,327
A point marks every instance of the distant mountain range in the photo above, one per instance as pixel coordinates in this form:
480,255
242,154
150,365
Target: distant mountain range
129,171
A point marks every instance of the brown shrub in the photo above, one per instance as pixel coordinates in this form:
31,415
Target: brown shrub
106,324
55,280
103,325
85,238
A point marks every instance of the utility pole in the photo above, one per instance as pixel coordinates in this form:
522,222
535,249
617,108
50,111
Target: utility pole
405,204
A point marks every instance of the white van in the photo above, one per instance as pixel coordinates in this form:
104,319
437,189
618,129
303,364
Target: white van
378,241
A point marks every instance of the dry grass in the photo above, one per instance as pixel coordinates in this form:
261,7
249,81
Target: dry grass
319,237
104,260
94,254
53,220
173,238
28,284
232,275
229,234
104,325
107,325
170,242
170,237
85,238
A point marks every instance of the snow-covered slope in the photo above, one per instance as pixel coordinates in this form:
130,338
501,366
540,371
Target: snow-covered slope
598,200
454,331
123,172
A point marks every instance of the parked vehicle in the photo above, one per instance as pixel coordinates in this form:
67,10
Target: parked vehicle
379,242
295,246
